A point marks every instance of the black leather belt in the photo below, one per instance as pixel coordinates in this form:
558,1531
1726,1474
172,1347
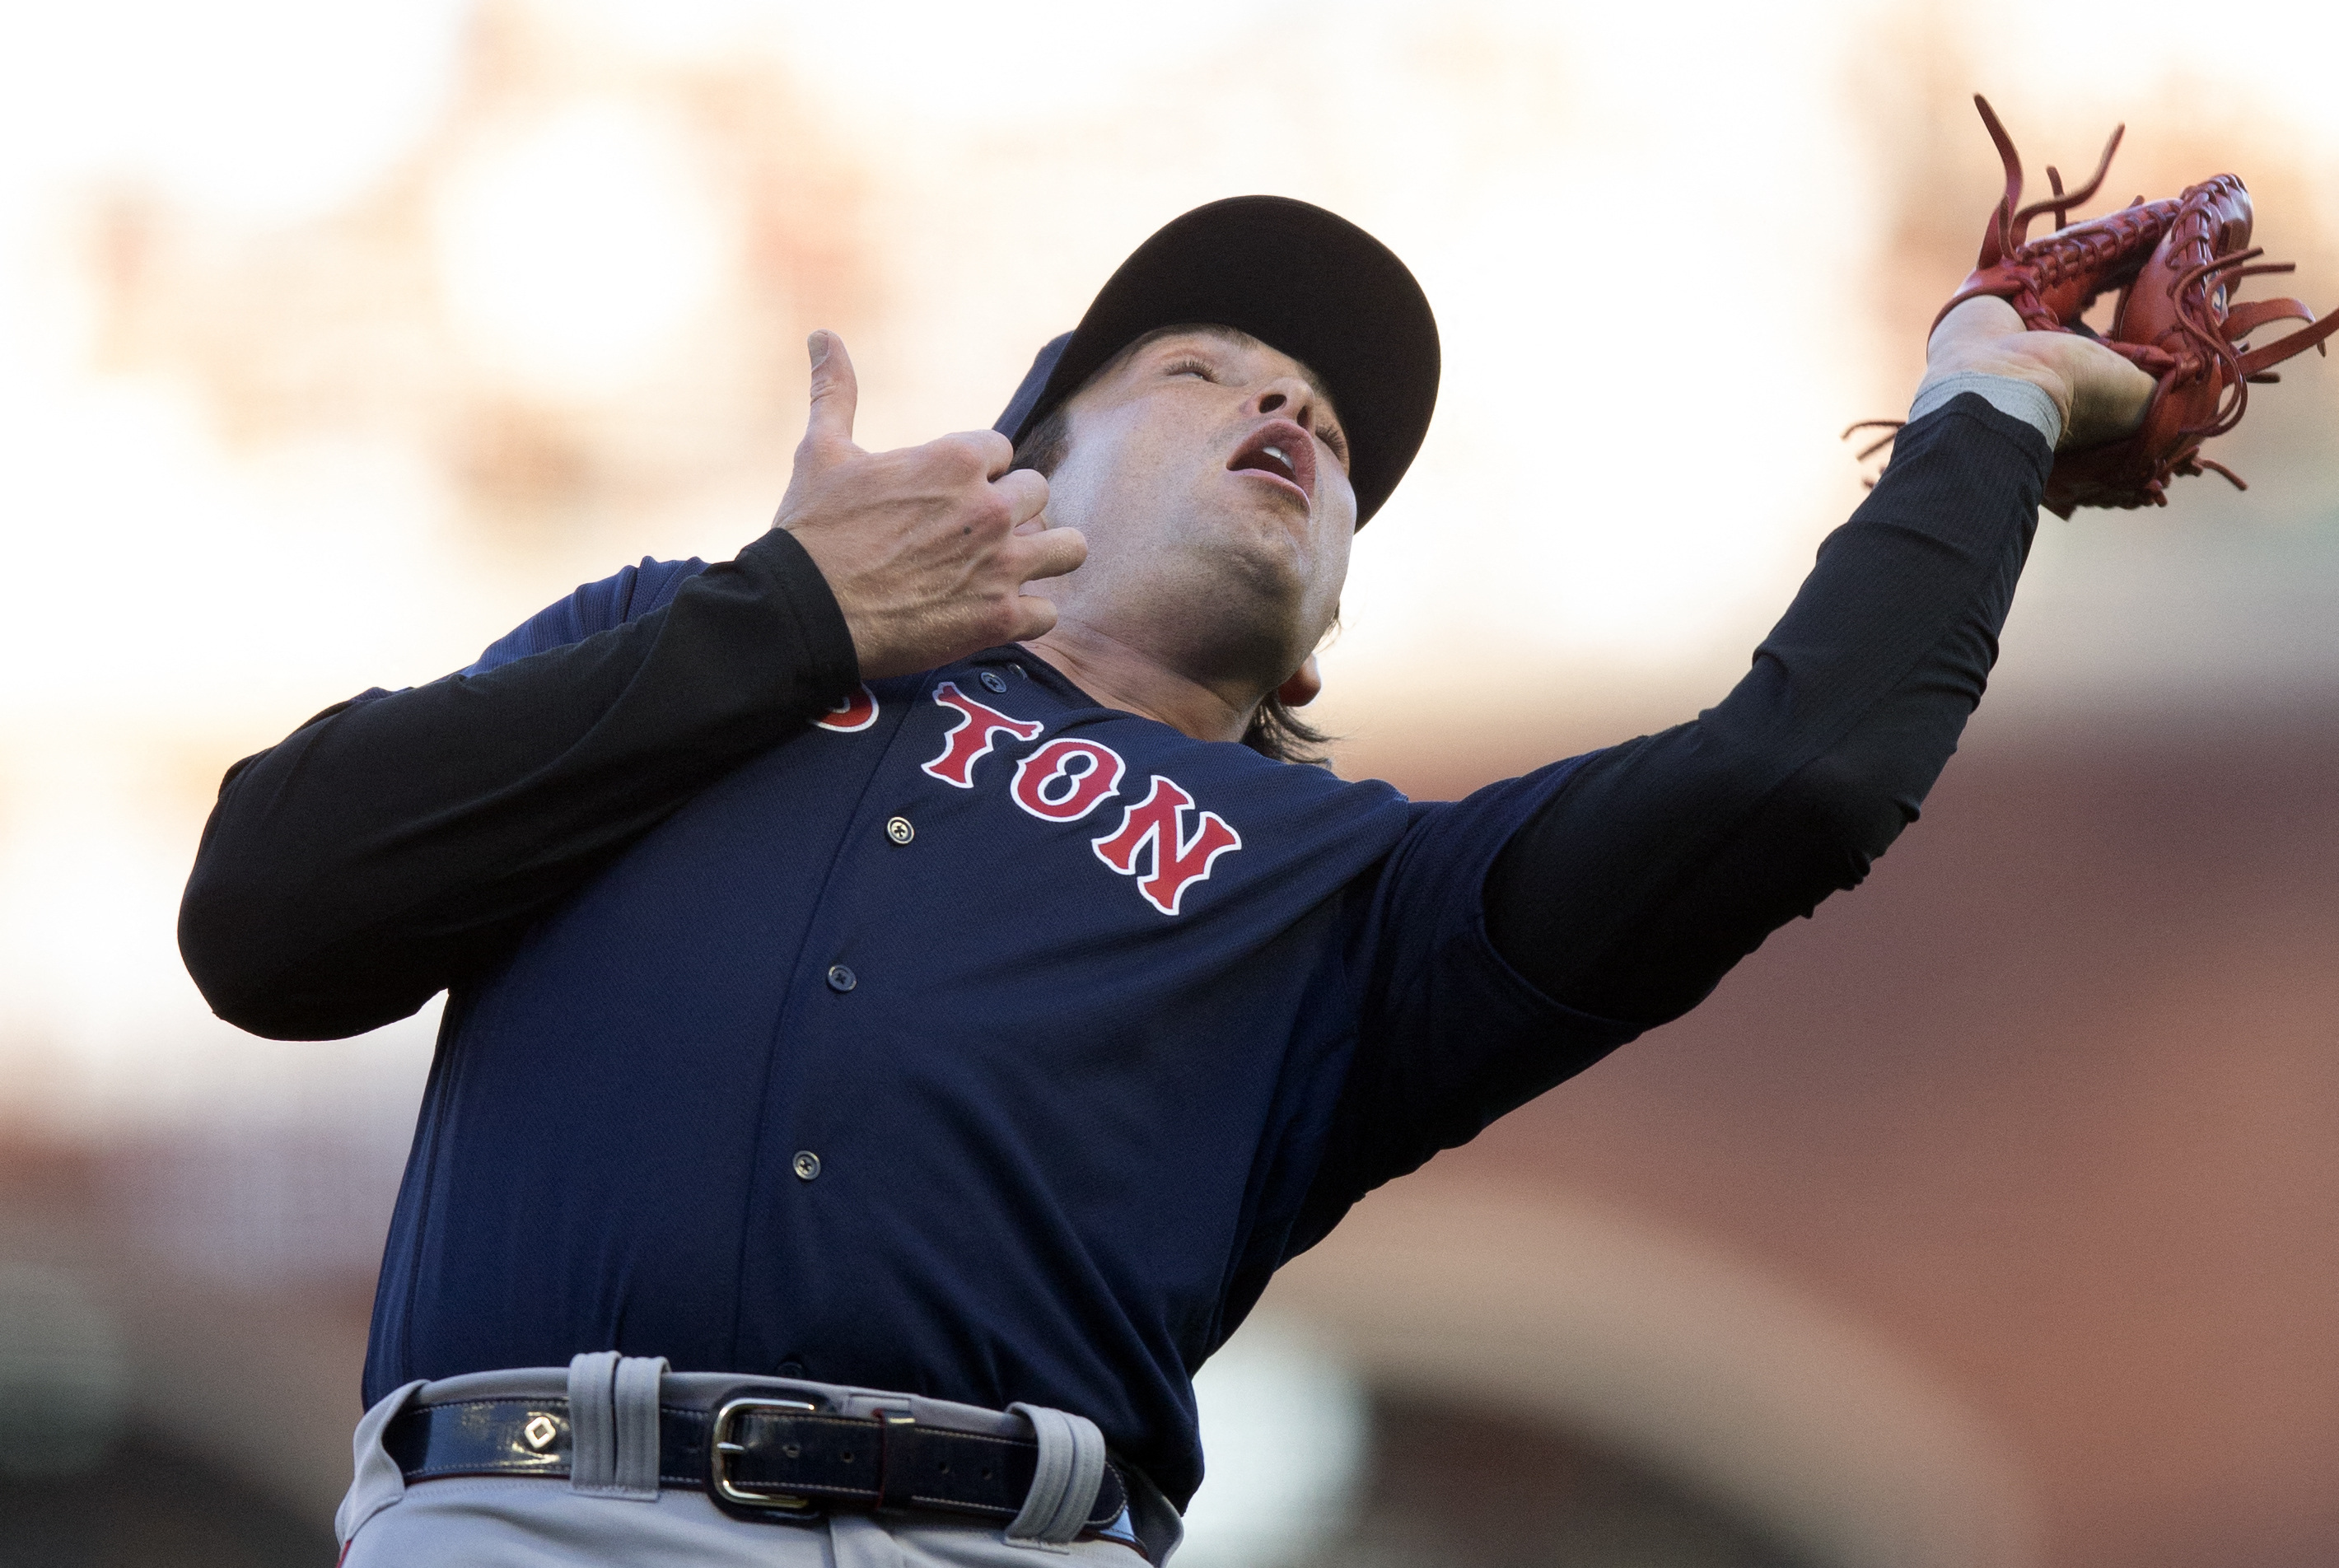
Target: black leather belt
756,1456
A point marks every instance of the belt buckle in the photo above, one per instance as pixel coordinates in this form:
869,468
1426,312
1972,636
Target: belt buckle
720,1448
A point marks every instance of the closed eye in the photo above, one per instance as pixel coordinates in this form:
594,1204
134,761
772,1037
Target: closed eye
1332,436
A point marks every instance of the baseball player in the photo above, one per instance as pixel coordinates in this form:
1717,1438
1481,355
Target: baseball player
902,1002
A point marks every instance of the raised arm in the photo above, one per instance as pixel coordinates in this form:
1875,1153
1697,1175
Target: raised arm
357,868
1666,860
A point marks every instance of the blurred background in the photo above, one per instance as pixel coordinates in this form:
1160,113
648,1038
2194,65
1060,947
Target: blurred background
1985,1222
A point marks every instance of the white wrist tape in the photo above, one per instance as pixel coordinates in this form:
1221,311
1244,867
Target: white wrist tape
2009,395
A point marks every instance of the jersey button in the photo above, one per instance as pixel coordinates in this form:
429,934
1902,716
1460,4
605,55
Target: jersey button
899,829
994,680
806,1165
841,978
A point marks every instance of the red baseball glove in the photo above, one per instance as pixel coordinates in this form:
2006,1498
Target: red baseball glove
2173,263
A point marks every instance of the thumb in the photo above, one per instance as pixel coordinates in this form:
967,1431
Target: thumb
835,392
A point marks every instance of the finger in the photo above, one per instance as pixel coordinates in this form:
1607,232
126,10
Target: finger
1034,618
2128,391
2109,399
1050,554
1025,493
835,392
988,448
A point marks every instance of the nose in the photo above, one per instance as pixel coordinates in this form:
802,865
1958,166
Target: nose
1291,398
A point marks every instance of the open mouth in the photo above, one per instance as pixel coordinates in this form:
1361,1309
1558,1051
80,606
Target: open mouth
1280,450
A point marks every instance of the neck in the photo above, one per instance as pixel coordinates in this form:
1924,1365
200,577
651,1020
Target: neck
1122,676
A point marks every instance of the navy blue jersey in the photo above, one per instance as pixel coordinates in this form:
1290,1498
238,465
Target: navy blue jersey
957,1035
979,1041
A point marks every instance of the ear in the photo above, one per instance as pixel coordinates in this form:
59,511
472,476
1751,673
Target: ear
1304,686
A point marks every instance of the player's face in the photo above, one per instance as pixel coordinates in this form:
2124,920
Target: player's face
1209,474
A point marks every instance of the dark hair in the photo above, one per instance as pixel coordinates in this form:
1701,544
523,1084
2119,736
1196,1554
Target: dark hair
1044,445
1275,730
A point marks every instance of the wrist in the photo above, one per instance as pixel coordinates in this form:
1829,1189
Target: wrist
1984,342
2017,397
785,567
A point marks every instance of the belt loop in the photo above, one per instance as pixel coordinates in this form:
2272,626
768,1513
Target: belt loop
896,1431
634,1393
613,1425
379,1481
592,1420
1064,1479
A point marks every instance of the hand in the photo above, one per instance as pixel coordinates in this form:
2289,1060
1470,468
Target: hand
927,549
2102,396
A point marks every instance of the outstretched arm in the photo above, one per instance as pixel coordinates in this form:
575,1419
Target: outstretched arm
361,865
1666,860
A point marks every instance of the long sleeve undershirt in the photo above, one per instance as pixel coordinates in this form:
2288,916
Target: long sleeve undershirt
395,843
1669,858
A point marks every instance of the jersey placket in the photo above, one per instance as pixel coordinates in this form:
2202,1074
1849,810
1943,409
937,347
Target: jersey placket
822,1140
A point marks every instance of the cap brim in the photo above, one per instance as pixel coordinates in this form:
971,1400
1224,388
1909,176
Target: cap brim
1294,276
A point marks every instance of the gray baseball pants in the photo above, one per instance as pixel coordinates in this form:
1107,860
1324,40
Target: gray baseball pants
594,1518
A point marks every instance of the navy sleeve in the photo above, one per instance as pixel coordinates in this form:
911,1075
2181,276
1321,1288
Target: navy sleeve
1516,936
613,601
394,842
1450,1033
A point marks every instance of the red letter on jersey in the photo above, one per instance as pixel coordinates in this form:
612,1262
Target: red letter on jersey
857,710
1049,787
1177,861
971,739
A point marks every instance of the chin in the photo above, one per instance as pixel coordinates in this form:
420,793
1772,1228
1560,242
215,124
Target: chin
1266,539
1244,613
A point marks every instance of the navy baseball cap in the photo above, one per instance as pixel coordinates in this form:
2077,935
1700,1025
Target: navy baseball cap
1297,278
